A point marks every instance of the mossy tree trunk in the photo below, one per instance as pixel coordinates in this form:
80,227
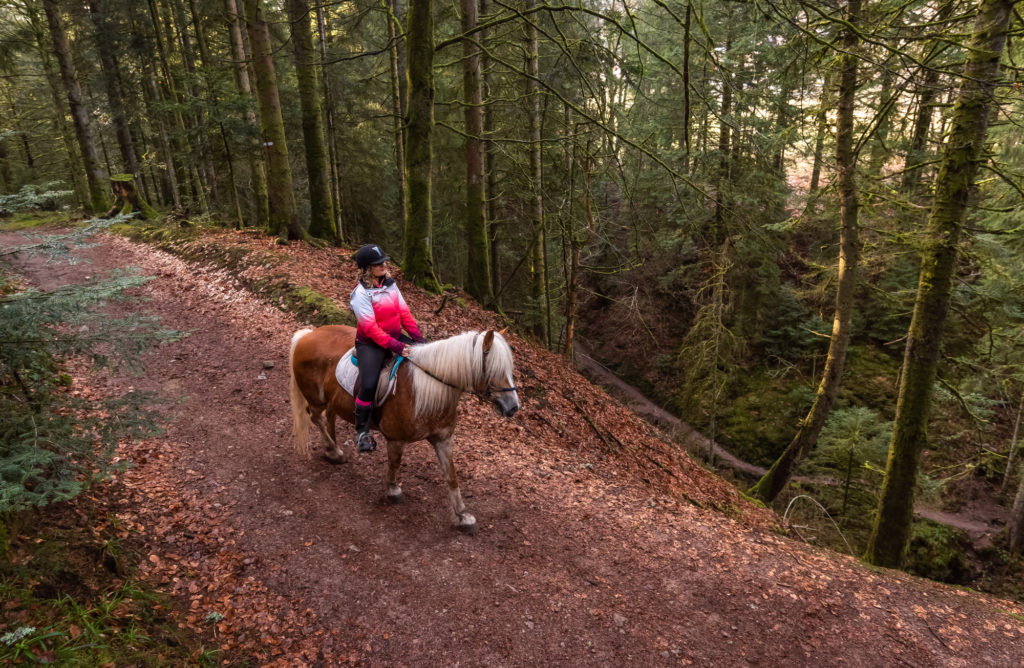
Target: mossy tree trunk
478,271
321,201
963,153
127,199
79,114
418,255
778,476
283,220
257,167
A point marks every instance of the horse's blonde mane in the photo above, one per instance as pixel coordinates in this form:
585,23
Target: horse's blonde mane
457,361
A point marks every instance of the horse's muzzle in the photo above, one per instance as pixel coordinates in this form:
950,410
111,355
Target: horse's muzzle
506,408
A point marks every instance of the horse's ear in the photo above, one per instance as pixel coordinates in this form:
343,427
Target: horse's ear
488,340
503,330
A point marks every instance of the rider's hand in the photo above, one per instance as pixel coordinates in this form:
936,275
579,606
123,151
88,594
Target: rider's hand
405,351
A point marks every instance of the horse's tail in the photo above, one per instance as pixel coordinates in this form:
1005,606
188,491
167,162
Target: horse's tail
300,413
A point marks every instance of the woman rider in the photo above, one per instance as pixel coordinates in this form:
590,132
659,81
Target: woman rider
381,314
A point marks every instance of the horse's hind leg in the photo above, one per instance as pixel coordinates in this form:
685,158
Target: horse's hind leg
393,491
463,521
324,421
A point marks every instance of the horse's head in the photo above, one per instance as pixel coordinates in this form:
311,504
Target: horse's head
497,374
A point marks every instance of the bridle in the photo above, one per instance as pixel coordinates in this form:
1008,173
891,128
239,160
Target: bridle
489,390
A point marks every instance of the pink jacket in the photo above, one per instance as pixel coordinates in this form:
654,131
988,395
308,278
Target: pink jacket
381,314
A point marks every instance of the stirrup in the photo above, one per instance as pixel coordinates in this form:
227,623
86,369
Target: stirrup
365,442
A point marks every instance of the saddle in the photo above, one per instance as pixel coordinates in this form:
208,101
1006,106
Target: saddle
347,373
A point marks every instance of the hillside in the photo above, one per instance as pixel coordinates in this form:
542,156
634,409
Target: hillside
598,543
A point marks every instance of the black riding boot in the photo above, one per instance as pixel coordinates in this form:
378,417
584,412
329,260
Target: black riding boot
364,440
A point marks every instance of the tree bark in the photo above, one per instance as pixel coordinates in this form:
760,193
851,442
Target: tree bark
821,124
418,253
963,153
283,220
257,167
79,114
397,105
321,202
75,167
778,476
1017,518
332,149
538,274
106,46
478,271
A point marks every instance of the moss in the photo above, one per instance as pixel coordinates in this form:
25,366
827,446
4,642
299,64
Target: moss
938,552
760,419
24,220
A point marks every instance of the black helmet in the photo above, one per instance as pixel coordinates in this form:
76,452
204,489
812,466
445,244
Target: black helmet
370,254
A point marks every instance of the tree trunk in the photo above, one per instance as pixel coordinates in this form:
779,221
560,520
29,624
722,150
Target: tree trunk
106,46
953,184
1017,518
166,90
928,91
332,149
491,178
79,114
75,168
397,106
821,123
283,220
206,181
321,203
782,470
418,253
686,84
538,282
478,271
257,167
1012,454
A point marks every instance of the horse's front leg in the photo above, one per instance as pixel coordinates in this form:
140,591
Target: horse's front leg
463,521
393,491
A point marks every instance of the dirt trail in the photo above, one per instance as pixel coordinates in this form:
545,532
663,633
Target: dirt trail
575,562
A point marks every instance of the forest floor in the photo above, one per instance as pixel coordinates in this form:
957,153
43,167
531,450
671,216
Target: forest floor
599,542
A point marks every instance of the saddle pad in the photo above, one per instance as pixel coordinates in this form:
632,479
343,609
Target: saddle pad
347,372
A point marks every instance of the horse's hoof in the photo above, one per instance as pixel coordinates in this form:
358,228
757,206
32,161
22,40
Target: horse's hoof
467,525
334,458
395,498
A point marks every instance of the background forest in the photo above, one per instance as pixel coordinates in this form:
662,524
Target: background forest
727,203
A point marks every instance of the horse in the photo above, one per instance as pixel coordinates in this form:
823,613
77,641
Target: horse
423,406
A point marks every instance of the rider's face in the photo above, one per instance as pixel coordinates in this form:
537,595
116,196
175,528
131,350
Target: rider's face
380,270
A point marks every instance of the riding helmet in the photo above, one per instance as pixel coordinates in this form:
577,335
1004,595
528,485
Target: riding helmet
370,254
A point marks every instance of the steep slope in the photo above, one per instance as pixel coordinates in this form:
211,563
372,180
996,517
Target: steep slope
598,542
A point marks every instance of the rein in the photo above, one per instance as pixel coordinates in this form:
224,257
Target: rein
483,376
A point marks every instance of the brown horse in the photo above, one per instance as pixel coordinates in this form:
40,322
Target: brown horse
424,403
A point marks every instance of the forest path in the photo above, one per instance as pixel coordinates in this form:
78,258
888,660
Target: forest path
576,561
981,520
